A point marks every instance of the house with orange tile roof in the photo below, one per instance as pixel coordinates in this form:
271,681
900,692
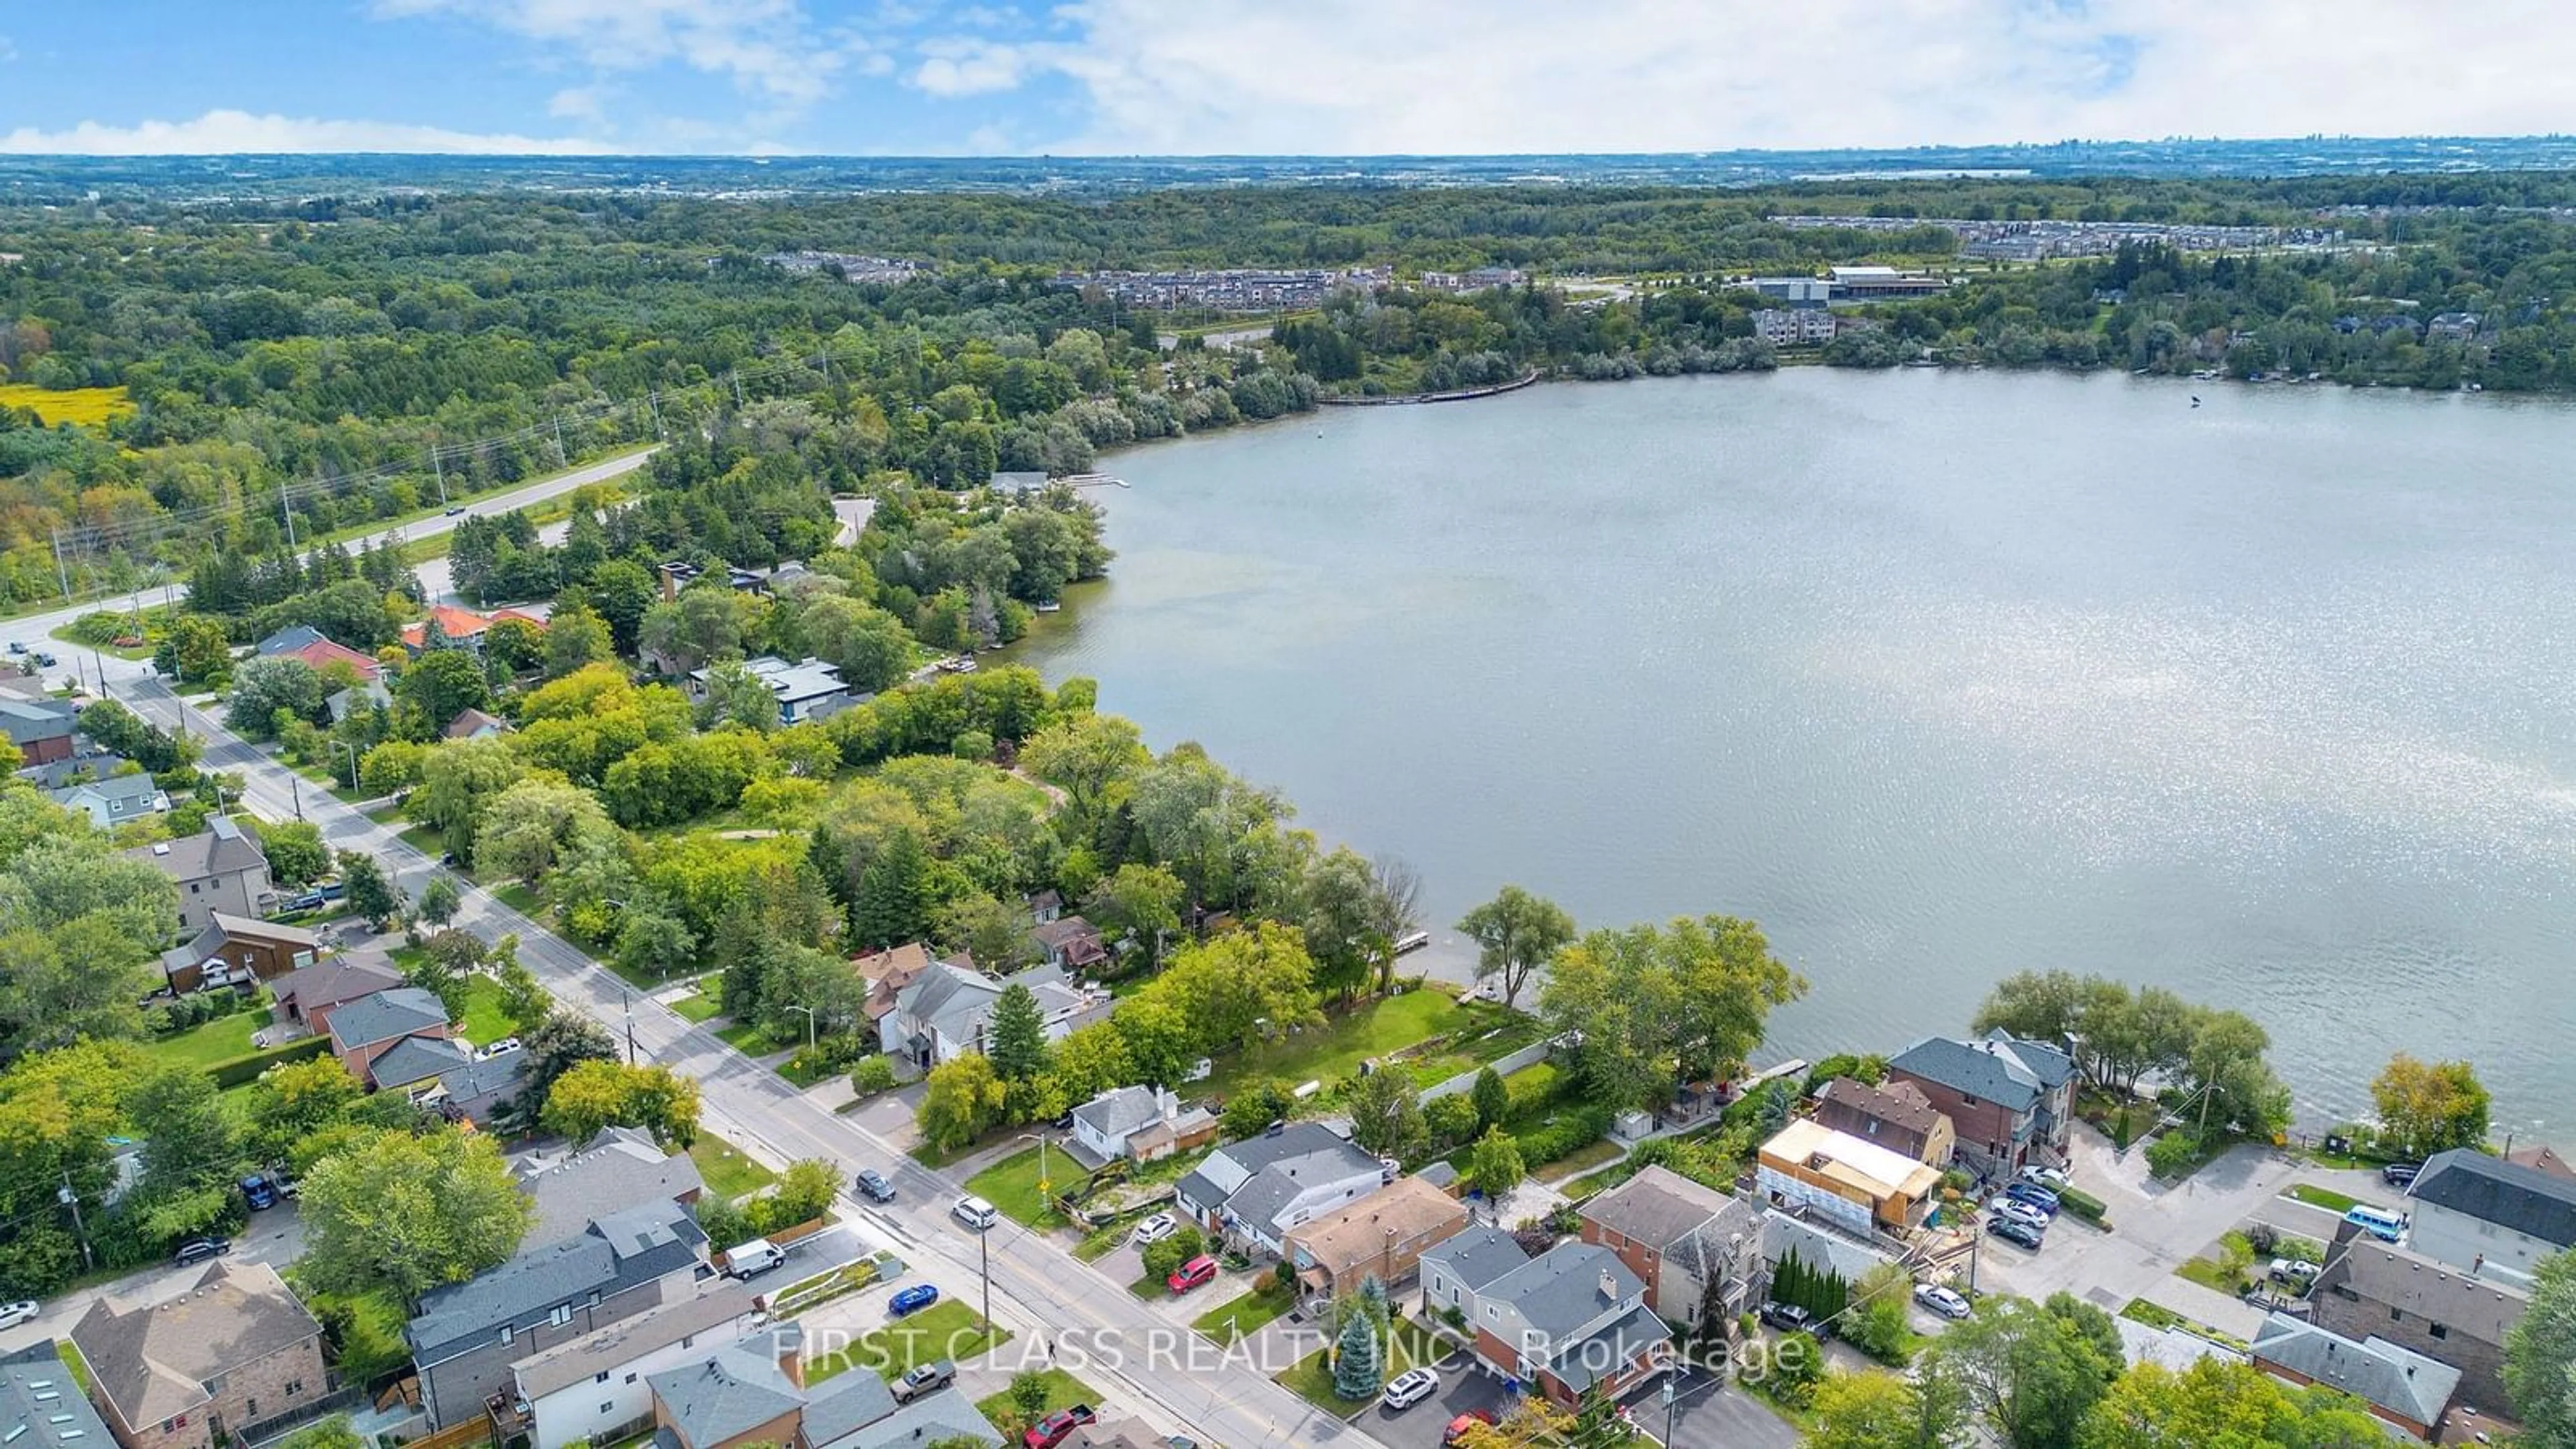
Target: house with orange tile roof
462,626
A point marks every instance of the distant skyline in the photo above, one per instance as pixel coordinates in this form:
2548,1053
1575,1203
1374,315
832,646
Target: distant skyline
1258,77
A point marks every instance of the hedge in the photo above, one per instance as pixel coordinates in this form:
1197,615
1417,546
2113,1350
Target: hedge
247,1069
2083,1204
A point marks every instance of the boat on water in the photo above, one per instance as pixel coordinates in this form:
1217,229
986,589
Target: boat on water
1412,941
1048,606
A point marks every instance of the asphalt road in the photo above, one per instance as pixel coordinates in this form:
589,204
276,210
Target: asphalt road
36,630
1090,1323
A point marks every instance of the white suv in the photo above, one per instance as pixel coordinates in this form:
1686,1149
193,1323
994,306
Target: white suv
975,1213
1410,1388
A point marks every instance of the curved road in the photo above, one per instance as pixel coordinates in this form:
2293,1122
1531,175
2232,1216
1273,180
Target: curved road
36,630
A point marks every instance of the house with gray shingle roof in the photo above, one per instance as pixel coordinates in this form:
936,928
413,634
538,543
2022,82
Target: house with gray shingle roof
1678,1235
2010,1100
40,1405
1567,1321
621,1168
2488,1216
42,729
746,1394
220,868
943,1013
2401,1387
1140,1124
414,1064
109,789
465,1338
1257,1189
370,1026
947,1414
739,1394
595,1387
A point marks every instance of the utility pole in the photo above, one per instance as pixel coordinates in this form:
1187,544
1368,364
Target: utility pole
288,513
440,471
560,460
71,1199
984,1259
653,400
295,792
626,999
736,375
62,570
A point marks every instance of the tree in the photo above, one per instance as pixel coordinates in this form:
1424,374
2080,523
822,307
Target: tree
2032,1374
296,854
1516,933
2225,1069
1226,991
79,979
894,897
1029,1392
439,900
1492,1099
652,937
2426,1108
268,690
403,1214
523,999
1386,1116
188,1140
1252,1109
294,1100
575,638
1085,756
444,683
1359,1359
1878,1410
559,1043
537,823
1016,1043
1875,1319
195,649
992,932
2215,1402
1494,1165
1138,901
370,894
2540,1357
594,1095
1341,921
1163,1256
961,1101
331,1433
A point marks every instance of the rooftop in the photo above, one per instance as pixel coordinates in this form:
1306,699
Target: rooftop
616,1252
2524,1199
1900,1104
415,1059
732,1392
628,1339
385,1015
1657,1207
40,1405
2399,1380
1881,1172
1478,1256
947,1414
1562,1289
2001,1068
336,979
153,1362
220,849
619,1169
1403,1211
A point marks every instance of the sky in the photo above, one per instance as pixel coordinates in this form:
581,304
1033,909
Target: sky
1252,77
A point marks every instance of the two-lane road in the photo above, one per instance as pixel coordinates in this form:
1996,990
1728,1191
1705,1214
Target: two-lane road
1036,1286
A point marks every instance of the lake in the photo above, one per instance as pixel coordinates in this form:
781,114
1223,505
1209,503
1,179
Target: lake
1938,675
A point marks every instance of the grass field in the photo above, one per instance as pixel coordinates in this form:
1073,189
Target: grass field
1012,1185
948,1330
1228,1321
208,1043
707,1003
87,407
2324,1197
485,1022
1337,1048
1063,1392
729,1174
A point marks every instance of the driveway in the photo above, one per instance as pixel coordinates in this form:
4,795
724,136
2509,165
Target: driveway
1710,1414
1462,1388
274,1236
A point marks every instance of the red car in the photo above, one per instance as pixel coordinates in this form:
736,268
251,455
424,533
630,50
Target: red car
1050,1431
1197,1272
1459,1426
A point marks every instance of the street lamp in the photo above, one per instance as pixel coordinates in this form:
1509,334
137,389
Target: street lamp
809,1023
353,760
1045,1178
1672,1399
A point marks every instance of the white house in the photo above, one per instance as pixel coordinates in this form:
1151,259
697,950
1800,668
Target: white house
1139,1123
946,1010
1262,1187
2489,1217
596,1385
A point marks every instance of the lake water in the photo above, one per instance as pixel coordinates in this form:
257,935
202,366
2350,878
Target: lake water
1937,675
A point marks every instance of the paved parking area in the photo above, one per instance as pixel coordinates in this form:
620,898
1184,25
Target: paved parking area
1462,1388
1710,1414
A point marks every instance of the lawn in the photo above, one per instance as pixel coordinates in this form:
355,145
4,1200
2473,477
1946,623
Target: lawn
1229,1321
1337,1048
1063,1392
1012,1185
948,1330
1311,1378
729,1174
706,1002
519,896
1103,1241
209,1043
747,1037
485,1020
2324,1197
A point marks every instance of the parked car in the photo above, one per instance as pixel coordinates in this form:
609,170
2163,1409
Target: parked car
2401,1174
505,1044
307,901
2380,1223
257,1192
873,1186
924,1378
2018,1211
2013,1231
1948,1302
974,1212
2032,1193
2047,1177
1410,1388
1155,1229
1198,1272
13,1314
198,1250
1459,1426
911,1300
1050,1431
1788,1317
2293,1271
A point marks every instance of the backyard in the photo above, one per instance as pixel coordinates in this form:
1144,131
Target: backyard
1374,1029
210,1043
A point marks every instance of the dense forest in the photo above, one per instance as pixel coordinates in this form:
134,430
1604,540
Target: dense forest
223,374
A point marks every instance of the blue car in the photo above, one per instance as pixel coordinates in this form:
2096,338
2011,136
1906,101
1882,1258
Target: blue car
911,1300
2038,1197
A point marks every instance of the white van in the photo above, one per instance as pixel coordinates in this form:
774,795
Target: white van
754,1258
975,1213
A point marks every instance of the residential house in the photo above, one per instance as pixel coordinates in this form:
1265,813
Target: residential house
1261,1188
304,642
807,689
344,703
2373,1288
307,996
2541,1158
2487,1216
208,1367
1815,1244
369,1027
1071,943
930,1419
479,1090
594,1388
2401,1387
1897,1116
2454,327
1679,1237
108,788
1138,1124
889,971
942,1015
1568,1321
1045,906
1383,1235
1020,483
1127,1433
1793,327
621,1168
474,724
2010,1100
41,1405
220,868
415,1065
42,729
466,1337
751,1394
236,950
463,628
1857,1186
1456,1270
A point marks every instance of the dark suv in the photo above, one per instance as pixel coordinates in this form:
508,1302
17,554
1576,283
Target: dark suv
1788,1317
198,1250
873,1186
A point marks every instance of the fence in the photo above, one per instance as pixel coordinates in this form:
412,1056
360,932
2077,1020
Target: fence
1502,1066
338,1401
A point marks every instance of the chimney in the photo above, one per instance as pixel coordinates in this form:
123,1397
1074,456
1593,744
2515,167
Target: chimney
1609,1286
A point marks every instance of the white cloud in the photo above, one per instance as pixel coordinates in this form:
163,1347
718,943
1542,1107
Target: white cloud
767,47
233,132
1376,76
578,103
964,67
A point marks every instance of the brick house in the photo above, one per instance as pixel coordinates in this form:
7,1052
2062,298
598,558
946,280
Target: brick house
1677,1235
1897,1116
42,729
218,1361
1383,1235
308,997
1568,1321
2010,1100
2374,1289
365,1029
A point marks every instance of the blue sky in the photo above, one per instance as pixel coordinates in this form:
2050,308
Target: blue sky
916,77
